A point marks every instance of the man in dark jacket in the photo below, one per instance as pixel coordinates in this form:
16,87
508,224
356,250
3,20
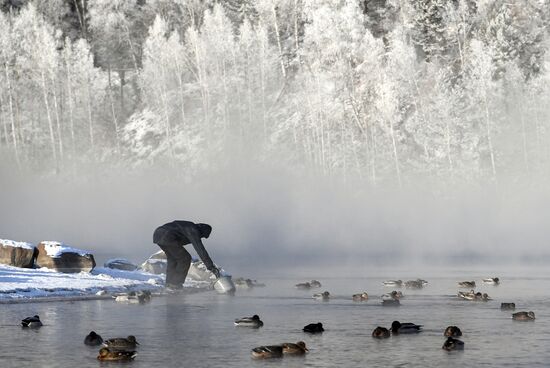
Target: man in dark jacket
171,238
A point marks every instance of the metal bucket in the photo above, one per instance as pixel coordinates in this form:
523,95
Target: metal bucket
224,285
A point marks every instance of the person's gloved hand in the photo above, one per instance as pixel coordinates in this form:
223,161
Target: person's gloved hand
216,272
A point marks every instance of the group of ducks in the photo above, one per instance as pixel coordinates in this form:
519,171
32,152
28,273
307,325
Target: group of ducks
412,284
518,316
472,295
392,299
308,285
115,349
398,328
280,350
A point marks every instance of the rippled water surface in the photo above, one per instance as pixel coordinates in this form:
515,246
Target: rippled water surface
196,330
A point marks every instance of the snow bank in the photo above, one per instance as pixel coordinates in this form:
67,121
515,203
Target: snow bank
20,284
16,244
55,249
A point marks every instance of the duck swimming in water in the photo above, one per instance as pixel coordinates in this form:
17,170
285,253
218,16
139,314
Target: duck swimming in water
303,286
314,328
315,284
468,295
381,332
482,297
360,297
415,284
325,295
467,284
31,322
453,344
93,339
268,351
121,343
492,281
294,349
452,331
116,356
253,322
507,306
524,316
404,328
397,283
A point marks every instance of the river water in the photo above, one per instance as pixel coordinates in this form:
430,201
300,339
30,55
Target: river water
196,330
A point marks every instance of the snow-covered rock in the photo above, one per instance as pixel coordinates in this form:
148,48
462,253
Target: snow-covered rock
18,254
120,264
155,264
62,258
198,272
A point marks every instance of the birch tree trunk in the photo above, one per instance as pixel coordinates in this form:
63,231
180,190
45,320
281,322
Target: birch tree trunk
12,115
57,119
70,102
278,37
49,118
489,138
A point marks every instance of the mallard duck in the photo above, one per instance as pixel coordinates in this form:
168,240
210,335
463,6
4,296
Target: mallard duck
482,297
121,343
108,355
314,328
93,339
315,284
360,297
467,284
325,295
397,283
391,303
294,349
468,295
253,321
381,332
415,284
268,351
452,331
303,285
507,306
524,316
453,344
407,327
492,281
31,322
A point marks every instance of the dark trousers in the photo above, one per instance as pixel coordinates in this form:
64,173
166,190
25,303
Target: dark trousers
178,259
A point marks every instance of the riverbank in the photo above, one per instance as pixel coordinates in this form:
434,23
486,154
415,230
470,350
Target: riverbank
25,284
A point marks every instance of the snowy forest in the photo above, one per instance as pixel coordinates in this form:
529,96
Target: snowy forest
383,92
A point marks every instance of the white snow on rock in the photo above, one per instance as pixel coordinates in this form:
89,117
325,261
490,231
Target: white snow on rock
55,249
20,284
16,244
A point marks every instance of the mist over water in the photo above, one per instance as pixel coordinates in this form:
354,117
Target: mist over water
267,221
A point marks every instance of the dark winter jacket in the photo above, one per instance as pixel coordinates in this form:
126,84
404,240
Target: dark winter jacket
183,233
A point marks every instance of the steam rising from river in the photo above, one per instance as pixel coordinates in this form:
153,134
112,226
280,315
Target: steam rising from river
266,221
